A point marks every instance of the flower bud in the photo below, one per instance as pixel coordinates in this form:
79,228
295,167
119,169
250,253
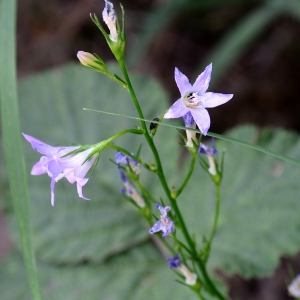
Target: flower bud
88,59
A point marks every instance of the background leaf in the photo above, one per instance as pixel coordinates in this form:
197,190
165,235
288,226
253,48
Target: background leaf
101,247
259,204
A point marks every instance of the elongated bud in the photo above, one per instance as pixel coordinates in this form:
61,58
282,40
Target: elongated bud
175,263
189,122
109,17
87,59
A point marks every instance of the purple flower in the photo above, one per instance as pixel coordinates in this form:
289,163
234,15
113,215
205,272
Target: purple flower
175,263
120,158
209,152
72,167
130,191
195,99
190,123
164,224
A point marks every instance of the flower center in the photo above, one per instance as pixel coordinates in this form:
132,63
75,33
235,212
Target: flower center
192,99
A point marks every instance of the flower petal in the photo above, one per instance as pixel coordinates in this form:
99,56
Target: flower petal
188,120
52,190
178,109
38,169
83,169
80,183
54,169
202,119
202,82
182,82
158,226
215,99
74,160
40,146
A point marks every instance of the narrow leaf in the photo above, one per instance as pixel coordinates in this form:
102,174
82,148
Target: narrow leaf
12,137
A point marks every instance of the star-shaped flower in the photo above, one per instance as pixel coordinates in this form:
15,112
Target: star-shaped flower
73,167
164,224
195,99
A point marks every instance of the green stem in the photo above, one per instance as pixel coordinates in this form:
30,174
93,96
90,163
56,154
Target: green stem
162,178
178,192
215,224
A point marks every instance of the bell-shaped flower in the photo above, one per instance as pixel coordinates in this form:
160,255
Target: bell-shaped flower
175,263
195,99
210,152
58,164
164,224
294,287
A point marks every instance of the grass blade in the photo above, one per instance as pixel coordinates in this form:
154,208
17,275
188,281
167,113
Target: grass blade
12,138
219,136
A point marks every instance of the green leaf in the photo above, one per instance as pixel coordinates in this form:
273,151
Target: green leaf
259,219
138,274
76,230
12,138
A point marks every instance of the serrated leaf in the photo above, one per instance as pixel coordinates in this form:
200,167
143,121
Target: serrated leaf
259,219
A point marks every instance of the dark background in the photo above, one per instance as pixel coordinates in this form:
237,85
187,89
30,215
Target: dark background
262,73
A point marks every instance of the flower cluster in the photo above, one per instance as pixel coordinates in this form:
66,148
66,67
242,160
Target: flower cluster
58,164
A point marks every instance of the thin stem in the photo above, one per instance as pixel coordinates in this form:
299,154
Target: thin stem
191,170
164,184
216,219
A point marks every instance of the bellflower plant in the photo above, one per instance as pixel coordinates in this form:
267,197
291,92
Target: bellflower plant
195,99
72,167
73,162
175,263
164,224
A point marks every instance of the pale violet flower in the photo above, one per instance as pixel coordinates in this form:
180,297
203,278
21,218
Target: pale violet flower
195,99
209,152
294,287
109,17
175,263
164,224
72,167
